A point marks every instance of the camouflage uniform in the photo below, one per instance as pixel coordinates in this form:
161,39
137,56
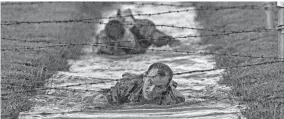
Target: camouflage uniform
121,43
129,90
106,45
147,34
132,39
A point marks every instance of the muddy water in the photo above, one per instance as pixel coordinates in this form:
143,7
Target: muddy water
205,98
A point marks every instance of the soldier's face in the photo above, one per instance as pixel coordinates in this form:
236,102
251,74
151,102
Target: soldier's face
155,83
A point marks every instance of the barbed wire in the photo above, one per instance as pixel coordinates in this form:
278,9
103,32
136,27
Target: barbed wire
155,4
25,3
157,25
149,49
31,41
149,15
34,48
179,73
210,98
102,23
146,3
193,28
187,36
140,4
170,26
226,68
7,23
121,3
229,33
177,51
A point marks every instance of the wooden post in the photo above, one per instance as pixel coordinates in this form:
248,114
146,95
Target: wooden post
269,17
281,29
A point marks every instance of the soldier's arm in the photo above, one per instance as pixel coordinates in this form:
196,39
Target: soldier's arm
124,89
174,84
160,39
102,46
176,95
116,50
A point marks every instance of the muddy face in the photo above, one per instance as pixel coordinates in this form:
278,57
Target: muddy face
155,84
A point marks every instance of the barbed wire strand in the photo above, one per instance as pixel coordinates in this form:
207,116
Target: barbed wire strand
157,25
179,73
149,15
156,4
226,68
193,28
139,4
180,27
229,33
121,3
149,49
176,38
31,41
25,3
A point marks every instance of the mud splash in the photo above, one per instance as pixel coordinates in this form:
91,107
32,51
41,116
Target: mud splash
205,98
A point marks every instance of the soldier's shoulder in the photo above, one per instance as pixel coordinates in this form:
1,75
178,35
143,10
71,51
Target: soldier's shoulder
131,77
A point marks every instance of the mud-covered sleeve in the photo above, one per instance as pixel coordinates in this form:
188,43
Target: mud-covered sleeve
159,38
125,87
172,97
104,45
100,43
174,84
177,96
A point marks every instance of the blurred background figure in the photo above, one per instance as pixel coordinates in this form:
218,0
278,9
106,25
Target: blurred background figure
126,35
155,86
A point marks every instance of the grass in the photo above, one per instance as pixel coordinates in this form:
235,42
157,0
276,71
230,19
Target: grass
259,87
27,69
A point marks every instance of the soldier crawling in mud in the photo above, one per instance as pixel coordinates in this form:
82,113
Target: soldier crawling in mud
127,35
155,86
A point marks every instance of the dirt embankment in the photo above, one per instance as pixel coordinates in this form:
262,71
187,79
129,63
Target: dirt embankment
26,69
259,87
